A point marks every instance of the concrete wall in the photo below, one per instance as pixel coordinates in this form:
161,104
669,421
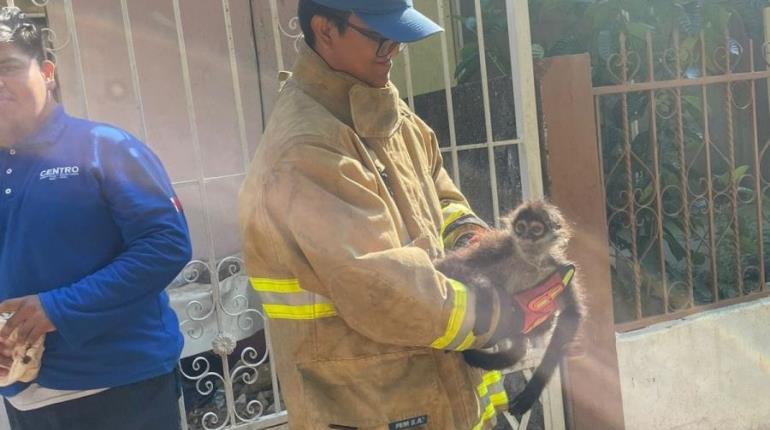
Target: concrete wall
709,371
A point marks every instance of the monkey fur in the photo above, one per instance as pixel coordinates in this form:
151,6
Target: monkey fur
530,247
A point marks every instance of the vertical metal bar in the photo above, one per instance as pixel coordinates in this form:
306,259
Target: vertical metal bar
193,122
766,53
656,172
731,155
524,97
487,111
459,37
631,206
408,76
182,413
683,176
133,66
448,91
258,64
553,403
277,34
524,423
229,391
236,83
757,175
71,25
709,183
273,374
598,116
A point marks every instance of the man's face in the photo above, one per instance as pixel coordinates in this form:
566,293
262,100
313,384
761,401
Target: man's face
356,54
24,98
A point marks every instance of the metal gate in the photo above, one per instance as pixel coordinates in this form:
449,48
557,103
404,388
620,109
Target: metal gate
685,155
196,80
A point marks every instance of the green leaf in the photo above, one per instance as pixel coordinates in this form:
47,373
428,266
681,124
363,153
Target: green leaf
639,30
741,171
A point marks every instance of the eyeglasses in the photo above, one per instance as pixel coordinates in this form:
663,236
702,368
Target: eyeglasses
385,46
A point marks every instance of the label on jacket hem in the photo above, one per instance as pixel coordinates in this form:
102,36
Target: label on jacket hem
408,423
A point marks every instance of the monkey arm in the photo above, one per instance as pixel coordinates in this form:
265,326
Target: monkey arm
490,249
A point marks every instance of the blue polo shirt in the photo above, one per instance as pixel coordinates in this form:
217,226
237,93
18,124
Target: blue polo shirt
89,222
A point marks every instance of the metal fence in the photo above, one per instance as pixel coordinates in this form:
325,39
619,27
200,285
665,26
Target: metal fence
683,134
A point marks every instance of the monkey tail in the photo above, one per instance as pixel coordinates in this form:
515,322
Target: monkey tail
564,332
495,360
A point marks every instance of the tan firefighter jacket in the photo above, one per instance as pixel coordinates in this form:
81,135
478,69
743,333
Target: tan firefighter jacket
341,213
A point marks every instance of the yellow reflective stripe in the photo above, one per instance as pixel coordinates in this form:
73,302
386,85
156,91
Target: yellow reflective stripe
499,399
494,401
489,412
467,342
293,302
451,213
269,285
488,379
300,312
568,277
455,318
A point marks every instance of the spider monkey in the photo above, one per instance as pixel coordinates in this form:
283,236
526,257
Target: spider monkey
530,247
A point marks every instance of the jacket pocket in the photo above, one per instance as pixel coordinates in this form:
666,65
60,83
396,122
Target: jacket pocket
384,392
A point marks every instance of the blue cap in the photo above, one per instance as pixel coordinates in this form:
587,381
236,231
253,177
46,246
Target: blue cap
395,19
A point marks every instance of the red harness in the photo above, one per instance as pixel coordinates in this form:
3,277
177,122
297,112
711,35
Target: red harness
539,303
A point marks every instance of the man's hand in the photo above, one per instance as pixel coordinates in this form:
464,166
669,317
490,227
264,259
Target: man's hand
28,317
5,362
465,235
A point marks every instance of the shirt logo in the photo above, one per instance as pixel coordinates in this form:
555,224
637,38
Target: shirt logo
59,173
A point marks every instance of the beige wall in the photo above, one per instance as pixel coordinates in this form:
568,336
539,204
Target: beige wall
146,93
709,371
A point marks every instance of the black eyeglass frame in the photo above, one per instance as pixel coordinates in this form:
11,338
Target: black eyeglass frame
385,46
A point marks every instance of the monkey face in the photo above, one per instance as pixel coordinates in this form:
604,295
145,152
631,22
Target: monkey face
538,229
533,225
529,229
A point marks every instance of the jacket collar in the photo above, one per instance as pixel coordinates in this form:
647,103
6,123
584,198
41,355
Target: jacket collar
371,112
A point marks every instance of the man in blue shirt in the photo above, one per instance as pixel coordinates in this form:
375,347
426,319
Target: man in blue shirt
90,234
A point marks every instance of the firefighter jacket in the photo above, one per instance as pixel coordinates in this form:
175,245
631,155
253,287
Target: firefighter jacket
341,213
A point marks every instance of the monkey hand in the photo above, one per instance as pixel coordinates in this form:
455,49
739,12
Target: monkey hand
538,303
464,234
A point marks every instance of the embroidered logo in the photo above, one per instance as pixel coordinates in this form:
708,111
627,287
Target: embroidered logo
409,423
59,173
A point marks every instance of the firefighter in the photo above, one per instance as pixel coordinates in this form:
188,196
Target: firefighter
344,207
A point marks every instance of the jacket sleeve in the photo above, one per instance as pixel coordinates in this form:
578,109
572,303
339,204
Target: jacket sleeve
156,242
458,218
338,237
